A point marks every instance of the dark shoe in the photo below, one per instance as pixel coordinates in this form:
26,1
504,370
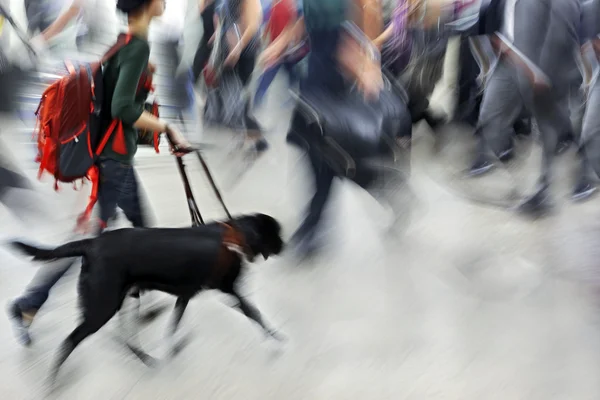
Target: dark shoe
481,165
304,247
507,155
433,121
20,329
522,127
583,190
537,205
563,145
261,145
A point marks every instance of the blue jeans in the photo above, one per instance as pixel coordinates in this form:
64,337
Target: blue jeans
118,188
269,75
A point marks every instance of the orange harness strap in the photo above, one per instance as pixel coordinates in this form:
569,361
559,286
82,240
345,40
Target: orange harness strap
232,243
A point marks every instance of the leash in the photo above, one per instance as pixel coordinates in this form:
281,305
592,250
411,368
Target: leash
233,240
195,214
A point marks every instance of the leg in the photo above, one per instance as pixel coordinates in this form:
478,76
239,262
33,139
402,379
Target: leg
131,338
469,100
323,179
547,35
98,309
501,106
112,174
22,311
264,83
552,120
244,69
201,58
590,136
180,307
252,313
130,200
77,336
292,72
584,186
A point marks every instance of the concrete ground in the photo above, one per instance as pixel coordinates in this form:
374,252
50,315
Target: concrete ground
473,302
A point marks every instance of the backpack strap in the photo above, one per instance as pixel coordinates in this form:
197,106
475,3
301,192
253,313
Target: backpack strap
122,41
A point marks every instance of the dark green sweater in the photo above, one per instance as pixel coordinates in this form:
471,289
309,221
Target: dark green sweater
121,76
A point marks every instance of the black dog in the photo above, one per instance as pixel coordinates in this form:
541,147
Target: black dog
181,262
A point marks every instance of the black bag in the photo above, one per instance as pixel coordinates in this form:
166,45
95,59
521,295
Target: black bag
353,127
225,103
489,20
590,20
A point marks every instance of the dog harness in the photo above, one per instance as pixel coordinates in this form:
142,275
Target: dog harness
232,243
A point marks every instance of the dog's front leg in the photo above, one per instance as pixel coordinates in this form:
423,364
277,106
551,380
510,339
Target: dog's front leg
180,306
253,313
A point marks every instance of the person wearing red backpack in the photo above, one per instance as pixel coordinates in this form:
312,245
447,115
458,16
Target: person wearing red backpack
118,183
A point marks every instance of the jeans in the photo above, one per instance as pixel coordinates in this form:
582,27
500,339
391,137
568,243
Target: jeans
118,188
269,75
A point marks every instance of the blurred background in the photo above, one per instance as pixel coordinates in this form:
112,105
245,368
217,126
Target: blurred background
469,301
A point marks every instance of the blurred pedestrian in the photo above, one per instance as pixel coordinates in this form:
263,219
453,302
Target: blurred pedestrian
282,13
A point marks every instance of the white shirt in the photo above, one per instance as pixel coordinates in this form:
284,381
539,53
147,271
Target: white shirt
172,23
509,19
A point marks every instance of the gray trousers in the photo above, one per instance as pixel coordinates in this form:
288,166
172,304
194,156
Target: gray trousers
546,33
590,134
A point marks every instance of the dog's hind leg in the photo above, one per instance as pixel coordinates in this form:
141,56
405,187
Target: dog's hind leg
89,326
252,313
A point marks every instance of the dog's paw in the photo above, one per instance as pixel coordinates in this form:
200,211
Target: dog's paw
276,346
278,336
178,345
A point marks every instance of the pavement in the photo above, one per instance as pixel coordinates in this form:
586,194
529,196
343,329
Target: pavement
472,302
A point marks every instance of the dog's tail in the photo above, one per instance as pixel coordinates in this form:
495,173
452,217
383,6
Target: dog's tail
72,249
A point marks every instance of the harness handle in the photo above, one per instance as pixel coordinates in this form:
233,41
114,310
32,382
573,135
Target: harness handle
192,205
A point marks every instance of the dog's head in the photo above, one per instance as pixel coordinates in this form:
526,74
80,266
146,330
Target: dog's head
262,233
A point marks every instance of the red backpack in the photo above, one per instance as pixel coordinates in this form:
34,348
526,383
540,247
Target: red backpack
70,130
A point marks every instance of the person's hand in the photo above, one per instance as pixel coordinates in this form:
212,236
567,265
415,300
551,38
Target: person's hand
39,44
359,66
370,80
234,55
151,67
425,13
212,39
179,145
270,56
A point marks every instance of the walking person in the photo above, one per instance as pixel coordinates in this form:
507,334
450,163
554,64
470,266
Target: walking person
282,13
89,19
545,33
242,19
330,54
119,185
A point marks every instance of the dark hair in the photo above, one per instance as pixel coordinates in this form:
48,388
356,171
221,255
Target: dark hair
130,7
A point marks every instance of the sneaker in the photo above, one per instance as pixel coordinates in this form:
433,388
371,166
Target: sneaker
20,329
261,145
583,190
480,166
